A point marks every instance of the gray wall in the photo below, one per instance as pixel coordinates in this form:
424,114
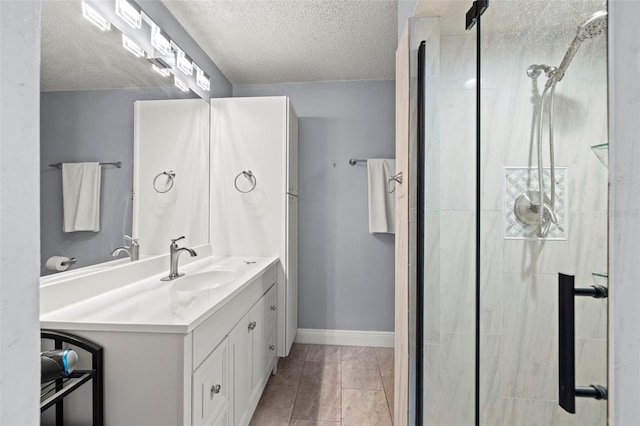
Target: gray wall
19,296
90,125
346,274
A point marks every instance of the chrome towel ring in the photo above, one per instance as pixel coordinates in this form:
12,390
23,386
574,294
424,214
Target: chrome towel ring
170,177
250,176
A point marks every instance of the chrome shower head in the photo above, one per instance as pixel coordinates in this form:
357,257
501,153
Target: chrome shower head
594,26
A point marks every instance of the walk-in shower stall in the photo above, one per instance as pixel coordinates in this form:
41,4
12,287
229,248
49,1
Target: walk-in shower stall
509,299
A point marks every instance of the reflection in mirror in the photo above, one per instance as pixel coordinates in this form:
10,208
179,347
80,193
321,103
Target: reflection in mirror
89,85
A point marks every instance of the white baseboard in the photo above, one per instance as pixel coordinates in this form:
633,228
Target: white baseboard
381,339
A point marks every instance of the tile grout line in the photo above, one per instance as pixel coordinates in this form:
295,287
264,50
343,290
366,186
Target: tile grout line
386,397
304,360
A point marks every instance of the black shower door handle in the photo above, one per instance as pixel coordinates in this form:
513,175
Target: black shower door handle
568,391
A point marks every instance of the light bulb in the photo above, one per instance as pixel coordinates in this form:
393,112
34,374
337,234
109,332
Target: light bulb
129,13
131,46
95,18
202,80
159,41
183,63
181,84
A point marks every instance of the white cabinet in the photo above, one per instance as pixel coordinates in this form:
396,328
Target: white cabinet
211,387
252,348
260,135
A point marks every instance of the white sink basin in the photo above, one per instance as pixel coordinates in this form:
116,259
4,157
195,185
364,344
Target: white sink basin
205,280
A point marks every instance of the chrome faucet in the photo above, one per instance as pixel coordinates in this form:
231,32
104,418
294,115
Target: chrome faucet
133,250
174,255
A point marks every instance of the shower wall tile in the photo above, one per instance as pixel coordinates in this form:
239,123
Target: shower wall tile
490,380
431,392
589,67
591,316
457,149
529,363
589,178
491,154
457,271
588,245
536,257
454,400
491,266
591,362
522,412
432,277
457,61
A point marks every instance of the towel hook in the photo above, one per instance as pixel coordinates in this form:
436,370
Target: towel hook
395,178
250,176
170,175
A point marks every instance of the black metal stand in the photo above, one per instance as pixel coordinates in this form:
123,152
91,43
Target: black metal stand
568,391
52,393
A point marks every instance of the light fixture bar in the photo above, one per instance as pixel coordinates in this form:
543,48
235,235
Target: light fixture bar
129,13
180,84
131,46
95,18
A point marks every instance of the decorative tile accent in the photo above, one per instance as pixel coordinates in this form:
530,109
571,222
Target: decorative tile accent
518,180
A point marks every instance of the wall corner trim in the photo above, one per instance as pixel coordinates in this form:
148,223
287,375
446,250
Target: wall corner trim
381,339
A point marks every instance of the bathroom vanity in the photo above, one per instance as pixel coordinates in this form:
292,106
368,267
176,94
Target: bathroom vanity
197,350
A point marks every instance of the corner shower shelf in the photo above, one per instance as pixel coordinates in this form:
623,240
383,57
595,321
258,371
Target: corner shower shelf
602,152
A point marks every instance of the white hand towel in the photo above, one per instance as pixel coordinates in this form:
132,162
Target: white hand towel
81,196
382,204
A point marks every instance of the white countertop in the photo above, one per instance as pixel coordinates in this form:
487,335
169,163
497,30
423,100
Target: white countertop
152,305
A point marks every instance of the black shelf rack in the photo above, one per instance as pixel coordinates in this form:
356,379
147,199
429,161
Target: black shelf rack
52,393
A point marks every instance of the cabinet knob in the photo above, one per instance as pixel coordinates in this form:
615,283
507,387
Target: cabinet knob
252,325
215,389
272,347
273,307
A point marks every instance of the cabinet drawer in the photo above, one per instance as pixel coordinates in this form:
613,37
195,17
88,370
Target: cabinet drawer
211,386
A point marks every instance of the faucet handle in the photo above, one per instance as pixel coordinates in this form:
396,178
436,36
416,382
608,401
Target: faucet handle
177,239
133,240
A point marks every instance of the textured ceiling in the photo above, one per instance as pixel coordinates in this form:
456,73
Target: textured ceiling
273,41
78,56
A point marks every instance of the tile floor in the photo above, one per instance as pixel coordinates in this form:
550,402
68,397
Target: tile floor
319,385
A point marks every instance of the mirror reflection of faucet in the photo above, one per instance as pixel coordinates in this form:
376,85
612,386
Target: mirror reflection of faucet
133,250
174,256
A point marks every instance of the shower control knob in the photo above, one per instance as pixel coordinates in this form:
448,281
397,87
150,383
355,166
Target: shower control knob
273,307
272,347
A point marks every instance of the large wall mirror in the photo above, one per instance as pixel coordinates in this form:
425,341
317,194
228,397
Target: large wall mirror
89,87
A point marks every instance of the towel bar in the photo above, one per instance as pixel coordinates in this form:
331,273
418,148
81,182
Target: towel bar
118,164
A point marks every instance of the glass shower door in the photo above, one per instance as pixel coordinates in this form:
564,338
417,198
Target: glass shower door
543,198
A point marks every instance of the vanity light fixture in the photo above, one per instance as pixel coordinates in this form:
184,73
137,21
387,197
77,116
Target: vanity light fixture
95,18
131,46
180,84
162,71
202,79
159,40
129,13
183,63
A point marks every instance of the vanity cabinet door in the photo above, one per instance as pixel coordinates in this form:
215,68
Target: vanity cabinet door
240,354
272,320
257,326
211,386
